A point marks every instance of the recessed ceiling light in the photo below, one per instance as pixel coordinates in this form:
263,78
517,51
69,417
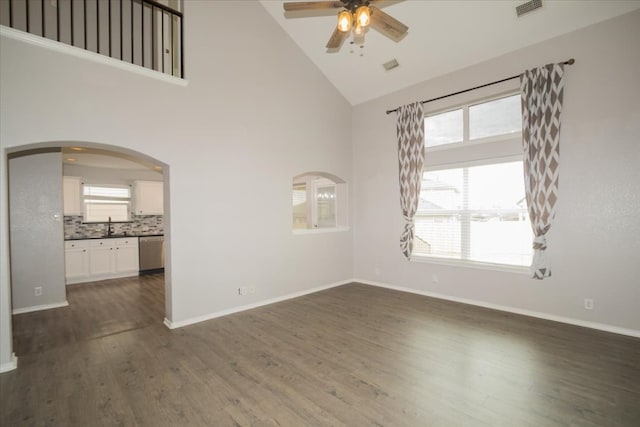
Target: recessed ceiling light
157,168
78,148
70,159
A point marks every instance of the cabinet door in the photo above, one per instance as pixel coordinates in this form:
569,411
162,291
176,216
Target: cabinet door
101,258
71,195
126,255
149,198
76,261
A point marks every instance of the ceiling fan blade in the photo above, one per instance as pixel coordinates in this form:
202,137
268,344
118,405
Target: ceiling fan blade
296,6
336,40
387,25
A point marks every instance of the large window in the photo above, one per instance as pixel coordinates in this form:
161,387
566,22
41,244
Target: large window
104,203
472,206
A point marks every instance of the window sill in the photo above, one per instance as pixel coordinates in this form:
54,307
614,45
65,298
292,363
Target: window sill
320,230
471,264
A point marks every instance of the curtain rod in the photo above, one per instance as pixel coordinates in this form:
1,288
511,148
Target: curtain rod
567,62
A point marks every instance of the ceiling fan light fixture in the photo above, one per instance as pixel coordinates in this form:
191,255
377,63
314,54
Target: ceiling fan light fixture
344,21
363,16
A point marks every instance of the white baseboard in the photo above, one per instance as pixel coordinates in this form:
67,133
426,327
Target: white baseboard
39,307
101,277
190,321
531,313
10,365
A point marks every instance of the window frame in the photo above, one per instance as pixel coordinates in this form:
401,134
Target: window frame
504,148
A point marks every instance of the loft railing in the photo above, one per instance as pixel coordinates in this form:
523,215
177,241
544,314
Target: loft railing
147,33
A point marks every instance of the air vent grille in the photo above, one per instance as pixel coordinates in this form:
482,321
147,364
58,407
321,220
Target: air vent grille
527,7
390,65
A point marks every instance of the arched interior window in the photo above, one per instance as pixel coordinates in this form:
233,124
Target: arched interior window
319,202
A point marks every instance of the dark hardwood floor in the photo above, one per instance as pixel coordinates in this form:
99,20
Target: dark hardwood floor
350,356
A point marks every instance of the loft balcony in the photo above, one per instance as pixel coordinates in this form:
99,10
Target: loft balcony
146,33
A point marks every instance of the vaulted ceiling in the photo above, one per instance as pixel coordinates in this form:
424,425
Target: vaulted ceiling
443,36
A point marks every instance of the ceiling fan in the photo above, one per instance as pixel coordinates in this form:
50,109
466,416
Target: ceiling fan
354,16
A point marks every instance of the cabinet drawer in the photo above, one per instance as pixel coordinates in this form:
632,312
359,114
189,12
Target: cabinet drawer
125,241
101,243
76,244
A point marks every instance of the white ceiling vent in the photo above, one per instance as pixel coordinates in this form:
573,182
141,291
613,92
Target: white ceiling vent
390,65
527,7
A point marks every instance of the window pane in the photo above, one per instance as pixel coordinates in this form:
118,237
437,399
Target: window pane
100,212
441,190
119,192
326,201
497,186
444,128
476,213
498,117
300,206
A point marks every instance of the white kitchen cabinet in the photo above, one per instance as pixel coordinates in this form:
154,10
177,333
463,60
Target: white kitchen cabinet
99,259
149,197
72,201
76,261
126,255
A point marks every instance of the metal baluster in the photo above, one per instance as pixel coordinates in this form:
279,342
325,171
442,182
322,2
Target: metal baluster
131,31
142,31
121,31
58,19
97,26
84,26
72,22
109,32
42,17
163,41
28,16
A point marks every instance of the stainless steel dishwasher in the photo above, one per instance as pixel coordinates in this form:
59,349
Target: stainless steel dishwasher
151,254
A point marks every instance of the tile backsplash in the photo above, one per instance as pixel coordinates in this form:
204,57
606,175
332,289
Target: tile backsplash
74,228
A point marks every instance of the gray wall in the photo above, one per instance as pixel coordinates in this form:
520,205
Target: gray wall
594,243
37,249
255,112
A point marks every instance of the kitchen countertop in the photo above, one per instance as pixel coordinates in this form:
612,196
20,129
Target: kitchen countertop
114,236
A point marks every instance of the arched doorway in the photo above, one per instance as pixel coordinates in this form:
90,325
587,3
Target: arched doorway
45,200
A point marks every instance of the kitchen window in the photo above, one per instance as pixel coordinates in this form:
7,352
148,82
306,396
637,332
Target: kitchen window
103,203
472,207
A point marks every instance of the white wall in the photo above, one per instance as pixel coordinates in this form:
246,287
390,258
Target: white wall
37,249
114,176
255,113
595,241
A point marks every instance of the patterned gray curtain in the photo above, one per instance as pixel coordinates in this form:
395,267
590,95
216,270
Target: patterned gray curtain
542,92
410,131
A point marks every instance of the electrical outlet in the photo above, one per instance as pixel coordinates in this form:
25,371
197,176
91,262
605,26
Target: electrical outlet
242,290
252,289
435,278
588,304
37,291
